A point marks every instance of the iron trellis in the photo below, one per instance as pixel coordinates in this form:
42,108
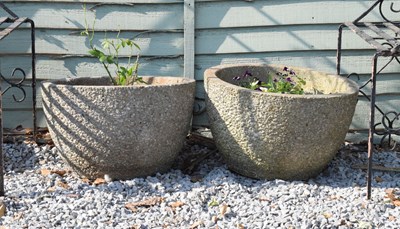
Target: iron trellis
14,21
385,45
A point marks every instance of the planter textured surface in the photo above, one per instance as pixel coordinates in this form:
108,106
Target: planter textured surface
278,136
121,131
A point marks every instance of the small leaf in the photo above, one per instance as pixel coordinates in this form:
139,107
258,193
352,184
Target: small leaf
52,189
105,44
390,193
378,179
103,58
264,198
327,215
223,209
396,203
63,185
131,207
2,209
94,52
45,172
99,181
118,47
176,204
128,42
59,172
392,218
130,71
123,43
144,203
213,203
85,180
240,226
110,60
196,224
136,45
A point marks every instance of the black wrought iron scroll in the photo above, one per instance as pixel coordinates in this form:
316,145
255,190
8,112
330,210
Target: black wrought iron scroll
385,45
15,22
18,75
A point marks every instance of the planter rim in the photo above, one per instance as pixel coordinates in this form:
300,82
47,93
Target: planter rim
211,74
69,81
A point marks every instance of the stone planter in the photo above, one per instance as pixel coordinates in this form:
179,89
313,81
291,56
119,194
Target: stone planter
119,131
278,136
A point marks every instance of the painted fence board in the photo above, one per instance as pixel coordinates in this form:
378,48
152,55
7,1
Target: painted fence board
358,61
54,67
14,118
106,1
225,14
68,42
214,14
273,39
108,17
70,66
242,40
115,1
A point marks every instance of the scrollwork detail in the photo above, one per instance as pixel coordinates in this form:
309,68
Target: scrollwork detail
392,9
389,129
19,85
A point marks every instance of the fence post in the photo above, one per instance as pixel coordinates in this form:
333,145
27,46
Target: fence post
188,35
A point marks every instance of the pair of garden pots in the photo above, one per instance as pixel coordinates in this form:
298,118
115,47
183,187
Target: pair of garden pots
134,131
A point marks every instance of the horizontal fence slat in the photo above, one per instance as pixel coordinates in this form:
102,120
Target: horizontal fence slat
48,65
357,61
244,40
51,67
14,118
225,14
110,17
67,42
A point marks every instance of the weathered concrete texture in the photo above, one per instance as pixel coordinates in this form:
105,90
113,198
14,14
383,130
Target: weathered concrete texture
278,136
121,131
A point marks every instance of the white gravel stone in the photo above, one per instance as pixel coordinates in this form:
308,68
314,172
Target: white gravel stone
334,199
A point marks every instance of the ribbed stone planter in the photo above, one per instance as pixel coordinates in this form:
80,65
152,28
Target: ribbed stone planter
278,136
119,131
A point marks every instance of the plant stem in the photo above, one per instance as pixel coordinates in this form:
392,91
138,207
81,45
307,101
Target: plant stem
109,75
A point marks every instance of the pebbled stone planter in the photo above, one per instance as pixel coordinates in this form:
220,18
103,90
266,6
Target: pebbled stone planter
119,131
278,136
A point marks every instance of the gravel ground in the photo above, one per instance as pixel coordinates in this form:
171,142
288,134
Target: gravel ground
41,192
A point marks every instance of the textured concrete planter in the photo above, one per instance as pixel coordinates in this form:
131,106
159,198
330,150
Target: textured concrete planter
278,136
121,131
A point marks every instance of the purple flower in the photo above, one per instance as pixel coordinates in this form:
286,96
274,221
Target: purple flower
275,80
247,73
257,80
292,72
289,79
236,78
285,69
